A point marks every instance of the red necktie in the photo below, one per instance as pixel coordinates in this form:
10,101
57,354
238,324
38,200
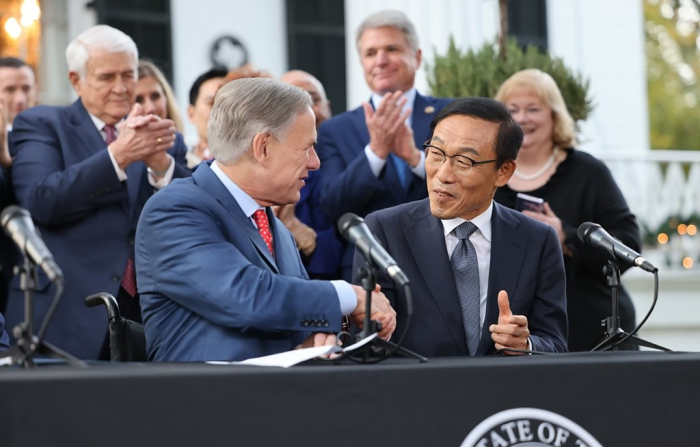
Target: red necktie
264,228
129,277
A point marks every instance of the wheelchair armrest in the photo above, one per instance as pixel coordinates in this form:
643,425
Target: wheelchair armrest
108,300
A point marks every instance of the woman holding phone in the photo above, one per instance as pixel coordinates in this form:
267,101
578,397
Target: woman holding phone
575,188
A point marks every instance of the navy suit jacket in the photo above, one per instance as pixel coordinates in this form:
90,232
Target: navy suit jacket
63,175
347,182
209,287
526,262
4,340
324,262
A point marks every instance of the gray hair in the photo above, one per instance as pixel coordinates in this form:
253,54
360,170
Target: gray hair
100,37
392,19
246,107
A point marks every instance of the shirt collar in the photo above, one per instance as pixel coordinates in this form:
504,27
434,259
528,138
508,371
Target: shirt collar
482,223
99,123
410,95
248,205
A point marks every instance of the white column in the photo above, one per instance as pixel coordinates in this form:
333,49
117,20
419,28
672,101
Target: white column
260,25
604,40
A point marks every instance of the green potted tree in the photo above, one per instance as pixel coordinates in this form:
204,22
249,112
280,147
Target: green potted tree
481,71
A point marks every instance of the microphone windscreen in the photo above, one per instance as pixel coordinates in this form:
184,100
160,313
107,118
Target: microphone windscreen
347,221
585,229
10,212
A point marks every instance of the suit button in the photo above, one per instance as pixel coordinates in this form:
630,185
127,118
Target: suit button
116,278
325,323
317,323
305,323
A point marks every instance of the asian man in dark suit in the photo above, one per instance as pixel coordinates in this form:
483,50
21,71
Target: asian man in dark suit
220,277
483,277
84,173
370,156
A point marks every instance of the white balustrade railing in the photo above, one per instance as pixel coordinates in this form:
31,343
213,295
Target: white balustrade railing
657,184
660,185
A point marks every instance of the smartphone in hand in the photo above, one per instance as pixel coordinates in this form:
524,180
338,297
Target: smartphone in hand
527,202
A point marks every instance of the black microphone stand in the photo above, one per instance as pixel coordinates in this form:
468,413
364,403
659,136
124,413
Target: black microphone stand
613,332
368,277
27,343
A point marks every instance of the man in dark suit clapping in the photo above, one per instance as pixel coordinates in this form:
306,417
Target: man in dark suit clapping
370,156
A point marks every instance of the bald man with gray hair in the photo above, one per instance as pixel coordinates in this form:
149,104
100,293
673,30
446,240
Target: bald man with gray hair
84,173
220,277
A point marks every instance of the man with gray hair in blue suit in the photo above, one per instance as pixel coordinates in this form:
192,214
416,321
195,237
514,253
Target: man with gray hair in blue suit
220,276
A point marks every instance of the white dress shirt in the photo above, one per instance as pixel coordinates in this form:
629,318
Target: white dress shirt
346,294
481,240
121,174
376,164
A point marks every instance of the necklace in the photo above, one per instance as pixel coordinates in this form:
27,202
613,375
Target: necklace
540,171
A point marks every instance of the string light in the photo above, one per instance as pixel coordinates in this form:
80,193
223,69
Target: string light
692,229
12,28
30,12
662,238
688,262
682,229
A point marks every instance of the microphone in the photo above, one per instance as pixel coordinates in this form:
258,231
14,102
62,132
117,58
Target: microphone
18,224
354,229
594,235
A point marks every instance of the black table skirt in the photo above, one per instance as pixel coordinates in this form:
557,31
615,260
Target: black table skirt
621,399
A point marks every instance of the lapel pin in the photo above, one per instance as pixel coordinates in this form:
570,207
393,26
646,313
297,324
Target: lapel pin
429,109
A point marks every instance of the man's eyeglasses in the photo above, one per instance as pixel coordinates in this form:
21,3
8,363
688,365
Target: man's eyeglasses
460,163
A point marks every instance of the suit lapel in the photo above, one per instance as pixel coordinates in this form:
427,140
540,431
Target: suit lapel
427,243
357,118
508,247
423,113
286,253
205,178
135,174
85,131
91,142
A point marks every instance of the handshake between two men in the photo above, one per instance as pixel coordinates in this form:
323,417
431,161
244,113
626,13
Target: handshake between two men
382,313
509,333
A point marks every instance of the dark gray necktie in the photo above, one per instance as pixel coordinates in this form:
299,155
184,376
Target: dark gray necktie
466,273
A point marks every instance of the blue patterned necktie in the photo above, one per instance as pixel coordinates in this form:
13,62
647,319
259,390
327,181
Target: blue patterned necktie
402,170
465,269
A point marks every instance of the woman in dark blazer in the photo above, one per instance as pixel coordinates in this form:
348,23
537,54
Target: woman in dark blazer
576,188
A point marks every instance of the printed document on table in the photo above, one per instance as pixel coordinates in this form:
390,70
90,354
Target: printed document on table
291,358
